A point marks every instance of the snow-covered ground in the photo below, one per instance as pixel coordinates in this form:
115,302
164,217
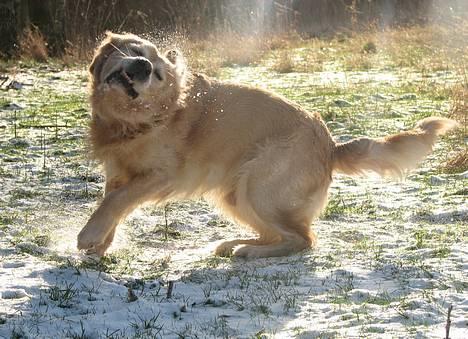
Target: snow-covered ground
391,257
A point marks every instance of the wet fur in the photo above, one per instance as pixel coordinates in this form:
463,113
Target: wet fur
265,161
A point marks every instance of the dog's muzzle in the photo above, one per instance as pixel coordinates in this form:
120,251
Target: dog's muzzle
139,69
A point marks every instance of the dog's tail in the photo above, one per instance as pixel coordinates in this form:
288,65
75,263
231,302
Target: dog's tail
393,155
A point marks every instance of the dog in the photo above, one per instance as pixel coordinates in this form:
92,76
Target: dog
163,133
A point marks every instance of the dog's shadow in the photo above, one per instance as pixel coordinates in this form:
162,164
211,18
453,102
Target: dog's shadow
220,298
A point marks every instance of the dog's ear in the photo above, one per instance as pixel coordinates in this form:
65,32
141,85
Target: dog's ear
101,54
96,64
108,34
173,56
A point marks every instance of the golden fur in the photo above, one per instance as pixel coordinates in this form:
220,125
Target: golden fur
264,160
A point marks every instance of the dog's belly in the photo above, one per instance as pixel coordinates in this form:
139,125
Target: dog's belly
195,180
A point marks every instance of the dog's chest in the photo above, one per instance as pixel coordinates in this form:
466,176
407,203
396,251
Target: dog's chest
145,156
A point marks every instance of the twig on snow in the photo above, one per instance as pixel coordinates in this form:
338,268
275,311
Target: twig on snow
170,287
131,296
449,322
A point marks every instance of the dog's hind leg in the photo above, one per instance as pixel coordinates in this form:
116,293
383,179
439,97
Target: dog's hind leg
278,194
236,206
291,225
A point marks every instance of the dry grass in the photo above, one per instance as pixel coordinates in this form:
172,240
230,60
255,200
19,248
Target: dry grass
458,163
459,108
242,51
76,53
428,48
424,48
431,48
284,62
284,41
226,50
32,45
358,61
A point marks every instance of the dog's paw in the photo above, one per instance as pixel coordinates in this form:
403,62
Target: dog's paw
90,240
90,246
97,250
247,251
225,248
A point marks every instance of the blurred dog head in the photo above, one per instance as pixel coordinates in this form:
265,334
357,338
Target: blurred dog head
129,75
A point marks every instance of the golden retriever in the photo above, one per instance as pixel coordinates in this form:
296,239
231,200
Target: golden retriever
164,133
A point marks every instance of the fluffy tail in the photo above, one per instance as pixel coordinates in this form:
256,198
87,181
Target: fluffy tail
393,155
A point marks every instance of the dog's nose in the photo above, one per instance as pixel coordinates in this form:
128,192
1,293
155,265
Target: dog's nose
139,69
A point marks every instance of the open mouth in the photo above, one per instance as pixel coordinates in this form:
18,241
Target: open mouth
122,78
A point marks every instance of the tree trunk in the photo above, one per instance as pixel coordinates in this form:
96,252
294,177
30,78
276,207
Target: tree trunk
14,17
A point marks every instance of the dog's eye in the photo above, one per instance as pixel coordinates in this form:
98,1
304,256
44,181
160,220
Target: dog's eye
158,75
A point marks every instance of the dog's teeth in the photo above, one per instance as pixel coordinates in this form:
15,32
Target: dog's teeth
125,75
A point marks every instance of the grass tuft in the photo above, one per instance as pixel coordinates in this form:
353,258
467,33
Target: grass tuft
32,45
369,47
458,163
284,63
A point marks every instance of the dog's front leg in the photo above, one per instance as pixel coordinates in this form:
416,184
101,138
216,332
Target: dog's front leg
112,184
116,205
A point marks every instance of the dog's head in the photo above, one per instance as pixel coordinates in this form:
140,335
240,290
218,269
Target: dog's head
129,73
